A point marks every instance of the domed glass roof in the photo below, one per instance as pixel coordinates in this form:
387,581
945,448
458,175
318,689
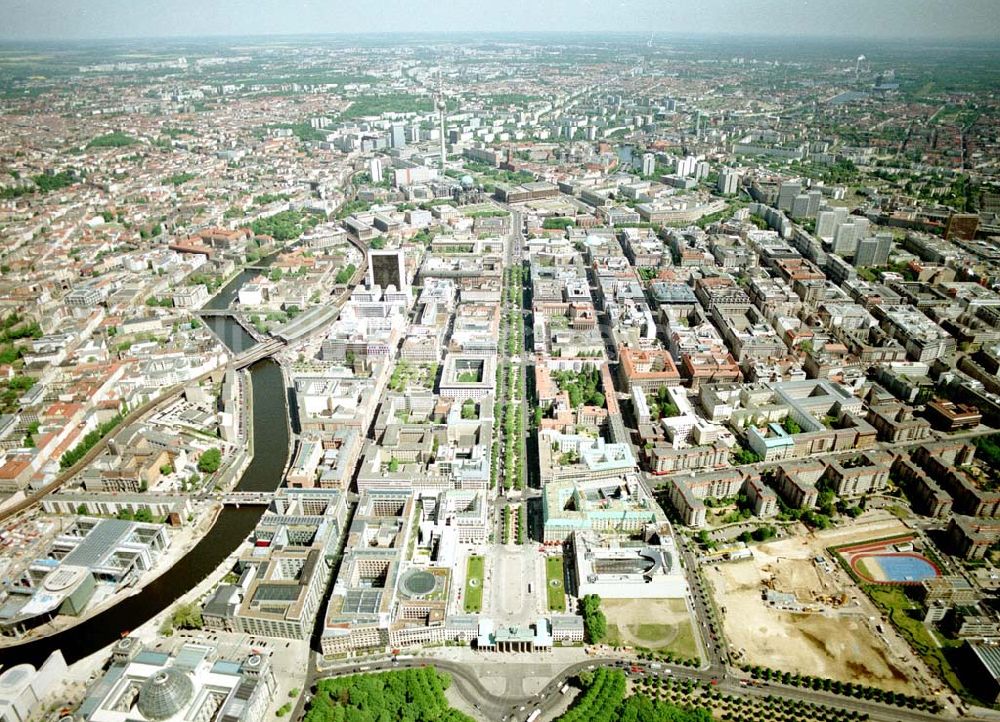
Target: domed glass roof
165,694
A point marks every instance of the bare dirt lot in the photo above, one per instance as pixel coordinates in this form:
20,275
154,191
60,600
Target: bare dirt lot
830,627
662,624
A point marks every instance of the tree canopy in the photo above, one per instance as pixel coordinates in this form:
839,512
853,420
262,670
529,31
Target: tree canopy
284,226
406,695
582,388
595,626
604,701
209,461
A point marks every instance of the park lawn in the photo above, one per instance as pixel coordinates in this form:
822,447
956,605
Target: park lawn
555,589
662,625
651,632
894,602
474,591
677,639
684,644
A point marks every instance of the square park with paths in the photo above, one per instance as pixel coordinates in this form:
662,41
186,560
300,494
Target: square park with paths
474,584
555,588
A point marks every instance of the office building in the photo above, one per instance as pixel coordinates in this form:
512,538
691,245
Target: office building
89,555
192,683
648,164
962,225
282,577
23,689
685,166
828,220
375,170
873,251
800,206
397,136
729,181
787,193
387,268
983,664
647,570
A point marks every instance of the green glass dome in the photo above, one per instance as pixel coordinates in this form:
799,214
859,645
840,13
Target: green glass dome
165,694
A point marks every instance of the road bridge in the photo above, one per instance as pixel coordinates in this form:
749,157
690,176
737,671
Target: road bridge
245,498
257,353
210,312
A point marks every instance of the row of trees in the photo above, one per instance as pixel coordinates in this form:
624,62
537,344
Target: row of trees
513,420
691,695
640,708
89,441
595,625
849,689
604,701
667,656
605,690
409,694
511,412
184,616
345,274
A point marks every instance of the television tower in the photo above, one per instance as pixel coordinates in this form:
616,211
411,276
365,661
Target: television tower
442,108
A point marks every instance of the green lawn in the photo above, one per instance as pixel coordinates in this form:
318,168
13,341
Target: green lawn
894,602
662,625
555,589
862,569
474,584
651,632
677,639
899,512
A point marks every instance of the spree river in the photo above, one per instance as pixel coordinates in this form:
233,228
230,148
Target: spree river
270,421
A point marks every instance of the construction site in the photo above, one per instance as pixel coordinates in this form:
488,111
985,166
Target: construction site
791,606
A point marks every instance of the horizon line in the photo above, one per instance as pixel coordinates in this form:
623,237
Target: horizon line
700,34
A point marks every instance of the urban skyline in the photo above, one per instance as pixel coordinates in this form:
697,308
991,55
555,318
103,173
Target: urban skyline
500,377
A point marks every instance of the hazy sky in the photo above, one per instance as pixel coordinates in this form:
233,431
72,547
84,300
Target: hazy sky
75,19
